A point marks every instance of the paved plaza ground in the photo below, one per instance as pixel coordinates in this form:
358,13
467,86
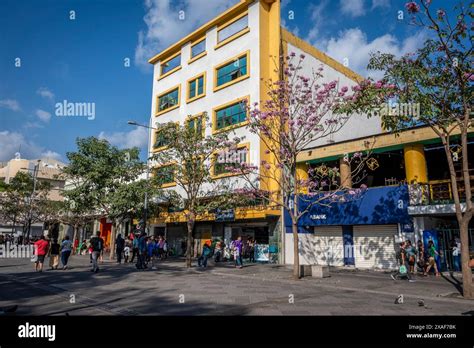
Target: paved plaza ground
257,289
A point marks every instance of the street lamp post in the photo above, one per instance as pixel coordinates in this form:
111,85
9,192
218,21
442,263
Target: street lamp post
145,208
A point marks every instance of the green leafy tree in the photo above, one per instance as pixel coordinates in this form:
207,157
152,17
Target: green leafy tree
188,161
437,80
97,171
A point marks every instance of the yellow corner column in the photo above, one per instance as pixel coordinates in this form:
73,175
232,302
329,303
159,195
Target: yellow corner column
345,173
415,163
302,174
269,44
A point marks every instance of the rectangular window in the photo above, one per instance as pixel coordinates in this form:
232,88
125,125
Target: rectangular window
171,64
224,162
196,124
161,140
196,87
232,71
168,100
231,115
232,29
198,48
165,175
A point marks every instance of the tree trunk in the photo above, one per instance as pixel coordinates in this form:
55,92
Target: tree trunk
296,251
468,292
74,236
189,244
112,240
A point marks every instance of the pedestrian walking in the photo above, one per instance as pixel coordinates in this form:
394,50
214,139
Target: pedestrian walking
135,241
218,251
41,249
141,251
54,254
402,272
66,249
432,252
237,247
206,253
75,247
251,250
97,245
411,256
421,256
120,245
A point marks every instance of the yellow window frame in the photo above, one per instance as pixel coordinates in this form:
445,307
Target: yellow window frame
156,168
162,76
236,35
227,62
195,79
223,106
155,136
195,117
215,176
200,55
157,112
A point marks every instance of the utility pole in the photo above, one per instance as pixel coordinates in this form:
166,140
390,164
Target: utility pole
147,178
30,213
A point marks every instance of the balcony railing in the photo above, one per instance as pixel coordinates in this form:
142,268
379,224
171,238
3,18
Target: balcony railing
437,192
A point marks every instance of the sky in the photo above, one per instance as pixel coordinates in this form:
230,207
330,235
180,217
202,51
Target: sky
96,52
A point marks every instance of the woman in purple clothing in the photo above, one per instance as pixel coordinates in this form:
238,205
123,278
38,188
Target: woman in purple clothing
238,252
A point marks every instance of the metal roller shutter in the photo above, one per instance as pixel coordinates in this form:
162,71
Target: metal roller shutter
374,246
328,246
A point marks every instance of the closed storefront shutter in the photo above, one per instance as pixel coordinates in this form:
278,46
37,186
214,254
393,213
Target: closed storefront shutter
374,246
324,247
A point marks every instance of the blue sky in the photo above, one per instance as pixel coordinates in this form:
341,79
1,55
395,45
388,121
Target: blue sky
84,59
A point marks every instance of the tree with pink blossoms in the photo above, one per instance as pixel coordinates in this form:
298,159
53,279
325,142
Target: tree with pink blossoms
298,113
439,79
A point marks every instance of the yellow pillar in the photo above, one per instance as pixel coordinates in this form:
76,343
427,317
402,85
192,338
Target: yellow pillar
302,174
345,173
415,163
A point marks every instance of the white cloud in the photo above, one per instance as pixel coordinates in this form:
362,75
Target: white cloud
165,27
33,125
317,19
137,137
354,45
10,104
43,115
51,155
12,142
45,93
380,4
353,8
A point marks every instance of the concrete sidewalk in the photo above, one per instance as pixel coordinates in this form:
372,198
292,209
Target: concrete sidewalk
258,289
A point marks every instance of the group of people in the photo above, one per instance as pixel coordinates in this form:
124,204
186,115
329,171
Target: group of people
418,259
238,250
54,250
147,249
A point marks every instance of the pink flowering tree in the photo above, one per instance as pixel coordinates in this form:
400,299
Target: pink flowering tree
296,115
438,81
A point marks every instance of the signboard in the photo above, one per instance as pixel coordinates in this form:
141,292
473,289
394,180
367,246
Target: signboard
262,253
374,206
225,215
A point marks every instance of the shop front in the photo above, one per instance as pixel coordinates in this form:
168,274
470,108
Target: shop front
363,231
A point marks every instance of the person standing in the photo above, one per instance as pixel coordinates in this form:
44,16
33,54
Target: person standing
75,248
141,251
66,248
456,248
54,254
218,251
432,259
206,252
421,256
251,250
238,252
120,245
135,241
41,249
411,256
97,245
